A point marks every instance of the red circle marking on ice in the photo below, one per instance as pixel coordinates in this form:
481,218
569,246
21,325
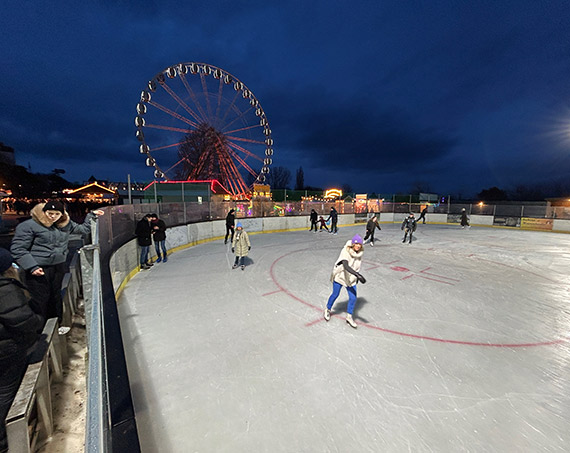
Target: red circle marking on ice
405,334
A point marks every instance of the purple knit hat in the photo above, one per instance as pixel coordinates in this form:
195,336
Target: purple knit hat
357,239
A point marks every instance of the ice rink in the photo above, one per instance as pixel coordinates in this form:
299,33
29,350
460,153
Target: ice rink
463,344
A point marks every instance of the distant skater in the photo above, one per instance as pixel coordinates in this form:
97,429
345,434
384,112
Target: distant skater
423,215
230,221
333,217
240,246
371,226
409,226
464,219
313,218
345,273
323,223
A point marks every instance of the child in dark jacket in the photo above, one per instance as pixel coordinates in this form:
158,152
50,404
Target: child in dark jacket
323,223
19,330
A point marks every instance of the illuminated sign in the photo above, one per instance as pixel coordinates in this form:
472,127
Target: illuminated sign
333,193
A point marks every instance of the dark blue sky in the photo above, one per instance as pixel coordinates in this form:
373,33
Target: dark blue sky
380,95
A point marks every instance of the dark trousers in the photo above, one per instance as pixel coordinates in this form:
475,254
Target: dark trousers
334,228
313,224
240,261
45,291
229,228
10,377
406,231
369,234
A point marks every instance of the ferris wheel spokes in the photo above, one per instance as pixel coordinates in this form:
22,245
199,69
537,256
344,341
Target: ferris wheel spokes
205,89
180,101
193,96
173,113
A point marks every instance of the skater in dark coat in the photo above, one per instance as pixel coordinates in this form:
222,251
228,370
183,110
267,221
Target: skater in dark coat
464,219
19,330
346,273
409,226
333,217
423,215
230,222
143,232
159,237
313,218
371,226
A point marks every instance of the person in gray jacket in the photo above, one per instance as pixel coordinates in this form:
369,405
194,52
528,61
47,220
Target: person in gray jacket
40,247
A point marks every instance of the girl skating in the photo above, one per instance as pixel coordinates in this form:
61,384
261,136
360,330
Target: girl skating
345,273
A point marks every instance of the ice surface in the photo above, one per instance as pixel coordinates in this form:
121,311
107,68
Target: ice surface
462,345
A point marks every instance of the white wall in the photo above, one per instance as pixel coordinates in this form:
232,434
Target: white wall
561,225
481,220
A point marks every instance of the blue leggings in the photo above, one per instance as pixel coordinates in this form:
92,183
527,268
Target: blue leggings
351,296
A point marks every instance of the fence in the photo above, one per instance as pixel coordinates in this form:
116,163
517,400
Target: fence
31,418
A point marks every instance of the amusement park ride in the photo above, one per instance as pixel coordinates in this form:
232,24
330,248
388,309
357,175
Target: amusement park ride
196,122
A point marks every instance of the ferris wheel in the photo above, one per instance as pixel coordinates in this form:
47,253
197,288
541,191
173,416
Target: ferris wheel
198,122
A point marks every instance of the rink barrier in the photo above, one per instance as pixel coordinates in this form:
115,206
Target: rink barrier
124,262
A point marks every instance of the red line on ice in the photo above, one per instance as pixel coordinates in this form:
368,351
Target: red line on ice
405,334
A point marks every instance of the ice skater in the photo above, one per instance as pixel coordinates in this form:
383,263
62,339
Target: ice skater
464,219
240,246
409,226
333,217
313,217
230,221
423,215
345,273
323,223
371,226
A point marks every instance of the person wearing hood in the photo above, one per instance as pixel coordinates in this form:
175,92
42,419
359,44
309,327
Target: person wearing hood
40,247
346,273
230,222
371,226
20,328
240,246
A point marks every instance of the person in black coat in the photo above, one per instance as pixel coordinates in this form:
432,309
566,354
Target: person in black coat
423,215
143,232
19,330
230,225
313,218
371,226
333,217
159,237
464,219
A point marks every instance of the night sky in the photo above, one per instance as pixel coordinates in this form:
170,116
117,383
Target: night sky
454,96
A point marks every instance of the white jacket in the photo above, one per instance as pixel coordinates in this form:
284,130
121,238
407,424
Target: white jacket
354,260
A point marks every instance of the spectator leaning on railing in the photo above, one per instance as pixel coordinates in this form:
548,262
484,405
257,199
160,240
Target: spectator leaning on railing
19,330
40,247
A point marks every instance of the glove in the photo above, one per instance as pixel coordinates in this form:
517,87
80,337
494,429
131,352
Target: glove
360,278
232,250
249,248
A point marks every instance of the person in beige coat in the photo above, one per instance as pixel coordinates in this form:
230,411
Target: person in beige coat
346,273
240,246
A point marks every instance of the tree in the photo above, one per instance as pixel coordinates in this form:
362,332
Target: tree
300,179
346,188
492,194
278,177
